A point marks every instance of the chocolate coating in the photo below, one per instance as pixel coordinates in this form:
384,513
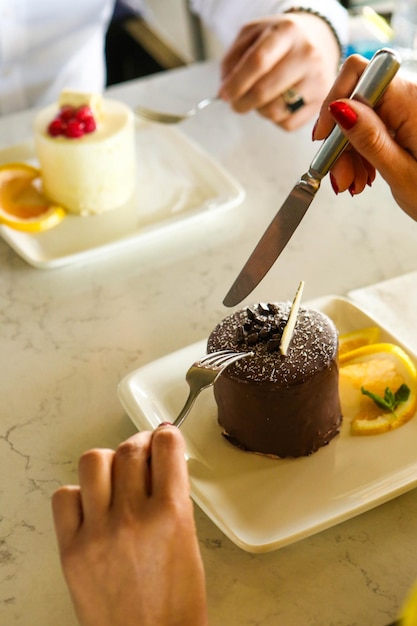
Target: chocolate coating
275,404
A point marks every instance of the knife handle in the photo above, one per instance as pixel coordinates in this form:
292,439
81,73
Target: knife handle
375,79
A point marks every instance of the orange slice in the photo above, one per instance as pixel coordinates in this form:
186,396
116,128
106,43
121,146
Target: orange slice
376,368
357,339
22,205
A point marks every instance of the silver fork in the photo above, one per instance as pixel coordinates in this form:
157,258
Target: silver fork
172,118
204,373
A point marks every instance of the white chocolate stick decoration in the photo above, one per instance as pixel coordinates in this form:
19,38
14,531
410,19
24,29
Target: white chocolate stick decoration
292,319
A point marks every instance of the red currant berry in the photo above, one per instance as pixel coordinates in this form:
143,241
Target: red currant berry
90,125
66,113
74,129
55,128
83,113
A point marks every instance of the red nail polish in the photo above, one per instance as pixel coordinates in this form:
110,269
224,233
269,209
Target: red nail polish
313,132
352,189
334,184
343,114
164,424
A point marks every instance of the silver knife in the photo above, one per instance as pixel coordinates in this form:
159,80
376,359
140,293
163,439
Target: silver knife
370,87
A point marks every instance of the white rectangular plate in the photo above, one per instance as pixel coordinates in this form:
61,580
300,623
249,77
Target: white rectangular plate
262,504
178,185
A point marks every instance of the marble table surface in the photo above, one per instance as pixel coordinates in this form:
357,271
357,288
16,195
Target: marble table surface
69,335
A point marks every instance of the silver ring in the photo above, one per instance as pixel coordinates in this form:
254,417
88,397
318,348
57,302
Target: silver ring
293,100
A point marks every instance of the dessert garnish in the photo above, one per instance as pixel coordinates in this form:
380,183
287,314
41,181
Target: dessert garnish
261,326
78,115
72,123
367,378
22,204
292,319
358,338
391,400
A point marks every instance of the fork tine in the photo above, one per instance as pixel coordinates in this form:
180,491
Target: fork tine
223,358
226,361
213,357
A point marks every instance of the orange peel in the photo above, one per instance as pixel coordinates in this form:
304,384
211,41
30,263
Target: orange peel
358,338
22,204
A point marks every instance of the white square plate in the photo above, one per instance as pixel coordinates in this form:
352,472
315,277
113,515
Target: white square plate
262,504
178,186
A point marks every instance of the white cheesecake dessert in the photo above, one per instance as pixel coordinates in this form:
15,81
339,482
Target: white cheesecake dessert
86,149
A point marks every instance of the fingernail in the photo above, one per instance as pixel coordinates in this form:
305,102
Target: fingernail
371,171
343,114
165,424
334,184
352,190
313,132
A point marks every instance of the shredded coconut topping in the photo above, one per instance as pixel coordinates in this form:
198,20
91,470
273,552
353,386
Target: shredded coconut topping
259,329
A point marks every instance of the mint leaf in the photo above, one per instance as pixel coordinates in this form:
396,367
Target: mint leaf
391,400
402,394
389,397
379,401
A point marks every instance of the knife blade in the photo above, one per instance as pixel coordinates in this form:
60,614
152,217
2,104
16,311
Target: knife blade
374,80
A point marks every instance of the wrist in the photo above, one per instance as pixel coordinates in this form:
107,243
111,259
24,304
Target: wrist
323,18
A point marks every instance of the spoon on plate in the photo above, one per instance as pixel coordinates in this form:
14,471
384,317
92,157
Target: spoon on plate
172,118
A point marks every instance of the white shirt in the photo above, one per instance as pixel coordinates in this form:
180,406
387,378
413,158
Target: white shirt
49,45
226,17
46,45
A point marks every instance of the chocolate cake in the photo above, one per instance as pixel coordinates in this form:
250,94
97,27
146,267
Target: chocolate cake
275,404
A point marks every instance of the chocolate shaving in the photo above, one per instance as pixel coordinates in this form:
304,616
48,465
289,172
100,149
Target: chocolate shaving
261,325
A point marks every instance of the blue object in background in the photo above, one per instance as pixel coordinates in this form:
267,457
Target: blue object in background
369,32
366,48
